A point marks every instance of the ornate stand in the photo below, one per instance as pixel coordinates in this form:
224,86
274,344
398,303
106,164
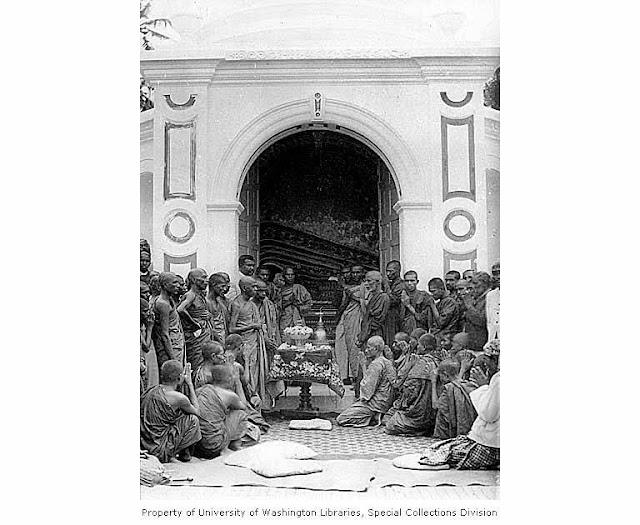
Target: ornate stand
305,396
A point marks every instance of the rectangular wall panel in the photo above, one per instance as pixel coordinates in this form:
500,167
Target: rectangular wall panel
180,160
460,261
458,158
180,265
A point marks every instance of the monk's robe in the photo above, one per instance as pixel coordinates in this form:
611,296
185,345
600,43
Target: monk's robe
376,394
419,301
413,412
295,301
475,323
164,430
254,349
375,313
219,309
195,336
176,336
396,313
346,344
218,425
450,319
269,318
455,410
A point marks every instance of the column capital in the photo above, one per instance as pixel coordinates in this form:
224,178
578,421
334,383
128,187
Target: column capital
404,205
236,207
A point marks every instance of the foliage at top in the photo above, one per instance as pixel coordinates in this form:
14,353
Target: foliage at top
492,91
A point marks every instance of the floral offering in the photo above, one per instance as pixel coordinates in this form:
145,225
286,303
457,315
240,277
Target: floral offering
298,332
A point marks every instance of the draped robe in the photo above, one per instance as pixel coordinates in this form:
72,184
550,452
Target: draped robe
199,311
456,413
269,317
165,430
346,345
176,335
295,301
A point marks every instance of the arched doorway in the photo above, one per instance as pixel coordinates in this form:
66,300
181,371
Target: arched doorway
319,199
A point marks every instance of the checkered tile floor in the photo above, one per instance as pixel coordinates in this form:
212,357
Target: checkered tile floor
345,442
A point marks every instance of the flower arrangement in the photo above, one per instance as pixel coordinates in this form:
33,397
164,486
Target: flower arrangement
298,332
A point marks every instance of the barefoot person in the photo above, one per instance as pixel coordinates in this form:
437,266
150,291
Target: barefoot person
168,338
376,390
223,420
169,419
245,321
195,317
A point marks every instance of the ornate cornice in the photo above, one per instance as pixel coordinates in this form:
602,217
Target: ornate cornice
178,70
479,68
403,205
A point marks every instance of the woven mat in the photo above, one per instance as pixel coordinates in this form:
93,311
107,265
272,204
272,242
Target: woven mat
343,475
387,475
345,442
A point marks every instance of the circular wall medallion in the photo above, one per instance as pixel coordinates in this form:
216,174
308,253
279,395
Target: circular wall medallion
459,225
179,227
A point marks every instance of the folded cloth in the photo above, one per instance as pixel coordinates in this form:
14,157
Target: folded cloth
412,462
273,467
271,449
310,424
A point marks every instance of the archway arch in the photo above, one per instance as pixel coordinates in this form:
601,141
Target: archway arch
225,184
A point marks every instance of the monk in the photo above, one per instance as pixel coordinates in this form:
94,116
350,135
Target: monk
475,316
246,268
444,315
223,420
167,335
460,353
219,306
348,329
169,419
269,319
212,354
245,321
376,389
455,409
195,317
415,304
396,312
450,280
414,413
493,304
295,302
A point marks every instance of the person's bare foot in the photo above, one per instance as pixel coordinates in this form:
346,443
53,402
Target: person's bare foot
235,445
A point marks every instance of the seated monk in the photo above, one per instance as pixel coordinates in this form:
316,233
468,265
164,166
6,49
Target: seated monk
414,337
480,448
460,352
212,354
169,419
223,420
413,412
455,409
376,388
233,354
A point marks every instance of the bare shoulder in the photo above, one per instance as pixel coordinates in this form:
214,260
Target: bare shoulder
162,306
175,398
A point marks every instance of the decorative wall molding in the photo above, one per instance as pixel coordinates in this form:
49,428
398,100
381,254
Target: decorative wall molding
236,207
168,194
191,259
458,103
459,213
179,214
444,123
314,54
478,67
403,205
492,128
317,103
187,104
468,256
177,70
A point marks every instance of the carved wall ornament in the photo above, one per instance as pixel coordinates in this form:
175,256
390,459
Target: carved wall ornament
179,227
457,103
466,217
447,192
174,105
318,106
180,160
470,257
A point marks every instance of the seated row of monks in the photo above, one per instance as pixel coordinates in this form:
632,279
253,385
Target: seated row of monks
417,388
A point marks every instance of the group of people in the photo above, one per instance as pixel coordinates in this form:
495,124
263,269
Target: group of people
415,359
425,363
213,341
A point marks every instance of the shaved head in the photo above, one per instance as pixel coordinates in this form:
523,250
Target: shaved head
462,339
376,342
171,371
374,276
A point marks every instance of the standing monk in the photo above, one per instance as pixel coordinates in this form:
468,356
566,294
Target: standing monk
218,305
246,268
167,335
196,317
475,316
349,324
415,304
245,321
269,320
444,315
295,301
395,288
